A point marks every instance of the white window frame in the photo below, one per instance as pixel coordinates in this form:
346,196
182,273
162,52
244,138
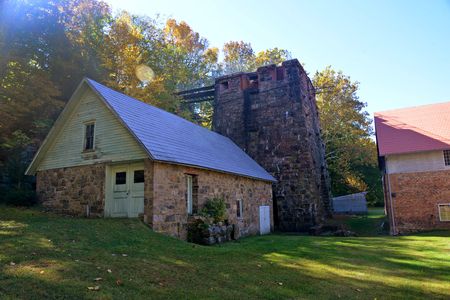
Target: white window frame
439,210
189,193
241,209
85,125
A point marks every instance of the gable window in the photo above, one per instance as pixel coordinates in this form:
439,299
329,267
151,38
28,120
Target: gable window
444,212
189,193
239,208
89,136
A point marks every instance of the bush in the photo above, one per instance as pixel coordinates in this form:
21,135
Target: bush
215,208
20,197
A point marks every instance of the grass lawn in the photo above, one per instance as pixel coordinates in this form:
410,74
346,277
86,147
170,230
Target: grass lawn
47,256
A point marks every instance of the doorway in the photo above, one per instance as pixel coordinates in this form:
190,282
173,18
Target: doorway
125,198
264,219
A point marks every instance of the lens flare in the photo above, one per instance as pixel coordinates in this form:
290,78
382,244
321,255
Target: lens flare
144,73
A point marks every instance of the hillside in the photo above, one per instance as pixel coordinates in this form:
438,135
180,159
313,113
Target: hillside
47,256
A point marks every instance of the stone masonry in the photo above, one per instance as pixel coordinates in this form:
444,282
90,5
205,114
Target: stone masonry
272,115
75,190
415,198
165,208
80,191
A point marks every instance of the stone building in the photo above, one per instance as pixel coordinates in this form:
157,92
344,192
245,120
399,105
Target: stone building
112,155
272,115
414,156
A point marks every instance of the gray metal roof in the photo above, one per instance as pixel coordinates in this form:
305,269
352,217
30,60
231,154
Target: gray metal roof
169,138
353,203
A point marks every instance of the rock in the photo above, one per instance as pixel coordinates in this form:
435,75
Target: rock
315,230
342,232
209,241
236,232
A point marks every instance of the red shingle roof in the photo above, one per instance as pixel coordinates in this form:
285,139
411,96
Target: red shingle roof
413,129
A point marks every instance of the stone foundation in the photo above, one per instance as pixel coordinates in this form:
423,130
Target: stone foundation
75,190
415,198
167,212
72,190
272,115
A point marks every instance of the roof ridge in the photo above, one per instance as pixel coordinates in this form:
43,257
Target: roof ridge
419,130
377,113
168,137
160,109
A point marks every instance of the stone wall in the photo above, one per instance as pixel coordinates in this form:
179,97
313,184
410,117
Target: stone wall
168,211
415,199
71,190
272,115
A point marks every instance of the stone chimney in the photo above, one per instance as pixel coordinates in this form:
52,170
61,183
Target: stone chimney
272,115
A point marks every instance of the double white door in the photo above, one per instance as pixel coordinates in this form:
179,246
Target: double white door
127,190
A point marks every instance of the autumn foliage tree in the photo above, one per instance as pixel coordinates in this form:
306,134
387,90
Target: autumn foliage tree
240,57
347,134
47,47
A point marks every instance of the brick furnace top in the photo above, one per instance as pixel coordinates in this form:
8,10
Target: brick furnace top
265,77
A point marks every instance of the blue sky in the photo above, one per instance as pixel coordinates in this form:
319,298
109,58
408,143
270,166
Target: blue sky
399,51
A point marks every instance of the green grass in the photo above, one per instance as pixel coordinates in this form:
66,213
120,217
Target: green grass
364,225
59,257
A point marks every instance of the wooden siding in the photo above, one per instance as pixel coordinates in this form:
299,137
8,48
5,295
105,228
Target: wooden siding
416,162
113,142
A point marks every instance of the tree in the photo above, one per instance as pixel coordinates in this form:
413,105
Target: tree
40,65
47,47
272,56
347,134
238,57
177,57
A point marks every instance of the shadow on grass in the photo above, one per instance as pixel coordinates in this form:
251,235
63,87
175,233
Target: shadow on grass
73,252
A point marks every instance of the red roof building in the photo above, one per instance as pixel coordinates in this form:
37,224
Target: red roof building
414,151
413,129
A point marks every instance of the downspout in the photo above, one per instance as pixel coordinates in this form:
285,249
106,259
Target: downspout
394,231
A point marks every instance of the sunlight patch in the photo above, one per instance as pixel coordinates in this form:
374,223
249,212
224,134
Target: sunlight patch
355,273
44,270
11,225
11,228
177,262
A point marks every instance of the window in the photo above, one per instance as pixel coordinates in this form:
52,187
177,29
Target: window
224,85
89,136
253,80
189,193
138,176
266,76
239,209
121,177
444,212
280,73
447,157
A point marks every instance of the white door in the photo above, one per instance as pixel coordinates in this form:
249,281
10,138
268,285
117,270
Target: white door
264,219
136,191
127,191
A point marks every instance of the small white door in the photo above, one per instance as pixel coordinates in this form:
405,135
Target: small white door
264,219
127,191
